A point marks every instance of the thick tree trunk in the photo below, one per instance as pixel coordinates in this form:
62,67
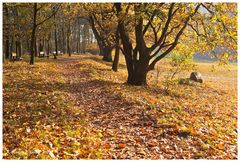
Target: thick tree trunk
137,72
137,59
138,78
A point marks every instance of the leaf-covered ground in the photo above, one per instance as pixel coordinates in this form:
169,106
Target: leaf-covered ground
79,108
39,121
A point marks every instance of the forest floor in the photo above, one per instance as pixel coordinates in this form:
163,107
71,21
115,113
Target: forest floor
77,108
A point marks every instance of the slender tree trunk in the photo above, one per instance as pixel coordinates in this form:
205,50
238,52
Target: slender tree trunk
63,41
68,39
33,34
28,46
78,36
7,42
116,57
36,47
48,49
7,48
11,46
97,36
55,36
20,49
16,48
6,54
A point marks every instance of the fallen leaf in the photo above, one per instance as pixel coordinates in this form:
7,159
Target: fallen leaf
121,145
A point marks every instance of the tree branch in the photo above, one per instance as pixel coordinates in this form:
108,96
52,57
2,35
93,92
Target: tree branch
151,66
164,29
49,16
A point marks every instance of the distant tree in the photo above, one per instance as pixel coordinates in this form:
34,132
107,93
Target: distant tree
103,23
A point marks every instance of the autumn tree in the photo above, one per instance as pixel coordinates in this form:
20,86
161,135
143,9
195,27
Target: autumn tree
149,32
15,28
99,16
40,15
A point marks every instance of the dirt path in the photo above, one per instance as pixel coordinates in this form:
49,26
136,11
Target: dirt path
127,133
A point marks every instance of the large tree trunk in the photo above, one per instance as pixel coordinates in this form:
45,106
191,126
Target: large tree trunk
137,59
138,75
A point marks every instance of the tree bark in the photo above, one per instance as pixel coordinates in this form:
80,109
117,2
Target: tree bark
7,42
68,39
36,48
63,40
107,54
33,34
56,39
117,50
7,48
20,49
137,59
11,47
